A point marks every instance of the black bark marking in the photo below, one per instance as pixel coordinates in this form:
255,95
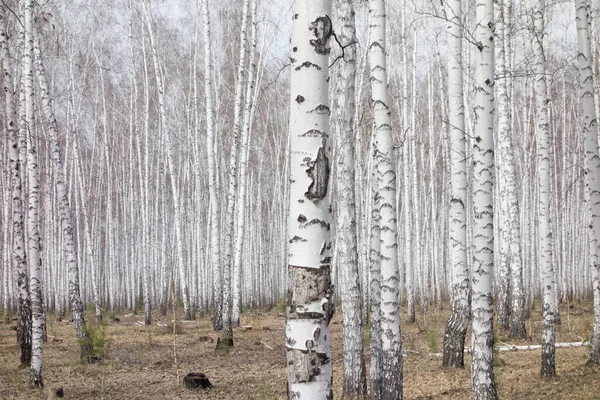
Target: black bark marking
317,221
297,239
301,218
314,133
299,99
321,109
319,173
307,64
322,30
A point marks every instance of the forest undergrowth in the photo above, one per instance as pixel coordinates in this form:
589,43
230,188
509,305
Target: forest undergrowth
139,361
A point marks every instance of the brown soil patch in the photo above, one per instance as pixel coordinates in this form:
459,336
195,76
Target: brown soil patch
140,363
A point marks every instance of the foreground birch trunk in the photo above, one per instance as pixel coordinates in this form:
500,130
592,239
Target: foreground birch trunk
589,126
456,328
16,166
33,206
385,202
355,382
482,340
310,304
543,143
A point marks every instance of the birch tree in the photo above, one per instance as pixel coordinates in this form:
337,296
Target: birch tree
456,327
355,382
589,127
385,202
232,187
212,171
482,339
68,240
17,146
310,304
33,205
543,147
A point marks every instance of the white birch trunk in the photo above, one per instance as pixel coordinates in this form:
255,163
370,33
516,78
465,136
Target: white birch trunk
66,224
212,172
543,143
17,166
456,328
244,150
589,127
385,202
185,295
33,205
482,340
310,303
355,383
375,282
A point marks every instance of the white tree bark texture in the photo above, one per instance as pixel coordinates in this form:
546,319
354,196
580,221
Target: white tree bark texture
456,327
482,339
385,203
589,128
33,206
17,145
215,242
232,183
310,305
355,382
544,155
66,222
239,242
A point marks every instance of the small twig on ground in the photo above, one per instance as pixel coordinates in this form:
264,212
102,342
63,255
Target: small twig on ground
266,345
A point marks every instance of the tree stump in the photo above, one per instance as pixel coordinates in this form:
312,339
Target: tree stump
195,380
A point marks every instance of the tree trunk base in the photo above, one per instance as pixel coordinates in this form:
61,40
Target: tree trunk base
224,345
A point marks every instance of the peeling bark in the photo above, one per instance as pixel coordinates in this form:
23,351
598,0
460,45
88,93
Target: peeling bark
310,305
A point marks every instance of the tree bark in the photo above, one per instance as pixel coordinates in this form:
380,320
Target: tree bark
482,340
589,127
310,303
355,382
456,327
33,205
545,240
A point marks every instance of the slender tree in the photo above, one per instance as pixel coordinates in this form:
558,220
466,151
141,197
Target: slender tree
33,205
456,328
68,239
543,149
310,304
355,382
215,247
17,165
589,127
482,339
385,202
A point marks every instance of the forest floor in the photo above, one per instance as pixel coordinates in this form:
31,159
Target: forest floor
140,361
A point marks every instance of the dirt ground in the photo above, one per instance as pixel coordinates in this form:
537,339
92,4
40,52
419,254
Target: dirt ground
140,361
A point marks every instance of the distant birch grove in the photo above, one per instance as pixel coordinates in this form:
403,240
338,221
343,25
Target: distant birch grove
378,159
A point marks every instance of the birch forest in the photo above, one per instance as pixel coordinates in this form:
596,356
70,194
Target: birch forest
309,199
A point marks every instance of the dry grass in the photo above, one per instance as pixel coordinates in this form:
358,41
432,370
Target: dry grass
140,362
